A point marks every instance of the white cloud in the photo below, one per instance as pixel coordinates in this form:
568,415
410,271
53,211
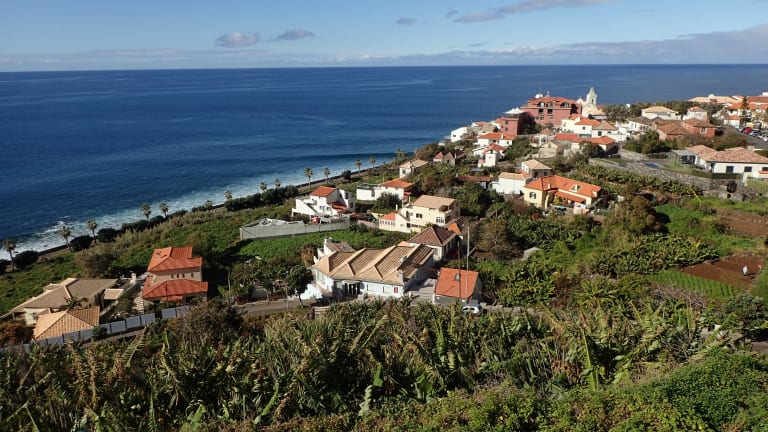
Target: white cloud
237,40
525,7
404,21
292,35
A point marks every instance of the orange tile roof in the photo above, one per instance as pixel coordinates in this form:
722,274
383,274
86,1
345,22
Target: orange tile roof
173,289
323,191
389,216
495,147
456,283
433,202
555,182
567,136
603,140
59,323
695,122
173,258
397,184
587,122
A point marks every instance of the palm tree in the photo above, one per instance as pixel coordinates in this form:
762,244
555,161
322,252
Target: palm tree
147,210
92,225
227,195
263,186
10,245
358,164
277,183
164,208
65,232
308,173
327,174
372,160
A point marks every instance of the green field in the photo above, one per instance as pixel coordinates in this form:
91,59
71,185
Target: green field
710,289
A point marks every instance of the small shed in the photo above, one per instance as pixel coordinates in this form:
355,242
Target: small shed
684,157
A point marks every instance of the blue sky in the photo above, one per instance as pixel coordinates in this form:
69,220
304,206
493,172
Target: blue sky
143,34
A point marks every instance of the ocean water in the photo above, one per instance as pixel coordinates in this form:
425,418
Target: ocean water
96,145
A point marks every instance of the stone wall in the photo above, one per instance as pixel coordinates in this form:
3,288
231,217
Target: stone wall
709,186
265,231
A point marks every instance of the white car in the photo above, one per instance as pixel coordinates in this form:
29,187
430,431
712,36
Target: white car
473,309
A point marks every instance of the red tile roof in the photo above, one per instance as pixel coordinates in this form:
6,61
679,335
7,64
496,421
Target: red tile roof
555,182
323,191
389,216
456,283
397,184
173,258
173,289
603,140
567,136
587,122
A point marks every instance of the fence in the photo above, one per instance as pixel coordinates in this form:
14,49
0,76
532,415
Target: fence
111,328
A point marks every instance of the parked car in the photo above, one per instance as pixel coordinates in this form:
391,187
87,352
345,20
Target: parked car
473,309
747,130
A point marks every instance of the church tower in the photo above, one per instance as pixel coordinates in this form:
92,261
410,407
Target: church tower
591,97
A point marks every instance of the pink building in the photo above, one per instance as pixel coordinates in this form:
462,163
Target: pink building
549,110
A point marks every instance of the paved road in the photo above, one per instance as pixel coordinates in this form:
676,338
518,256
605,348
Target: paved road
267,308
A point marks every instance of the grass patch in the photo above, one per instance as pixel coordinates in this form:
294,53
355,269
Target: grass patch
16,287
712,290
705,227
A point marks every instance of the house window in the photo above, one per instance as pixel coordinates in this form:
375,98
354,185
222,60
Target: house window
532,195
440,220
729,169
576,188
703,131
397,289
419,216
748,169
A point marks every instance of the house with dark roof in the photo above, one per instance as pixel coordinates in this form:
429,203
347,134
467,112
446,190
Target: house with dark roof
458,285
174,275
442,240
386,272
449,157
325,201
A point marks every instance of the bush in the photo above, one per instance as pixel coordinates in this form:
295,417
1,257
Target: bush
3,265
80,243
26,259
107,235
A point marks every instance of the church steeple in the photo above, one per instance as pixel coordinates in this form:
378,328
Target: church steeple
591,97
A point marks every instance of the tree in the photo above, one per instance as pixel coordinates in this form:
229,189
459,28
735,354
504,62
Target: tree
277,183
65,232
372,161
26,258
164,209
92,225
495,239
386,202
107,235
80,243
636,215
227,195
147,210
208,205
346,175
263,186
296,280
10,245
358,164
327,174
308,173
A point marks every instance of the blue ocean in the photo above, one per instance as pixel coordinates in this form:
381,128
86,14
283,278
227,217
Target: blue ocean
96,145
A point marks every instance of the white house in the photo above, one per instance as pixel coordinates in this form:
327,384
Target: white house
736,160
385,273
491,155
661,112
426,210
398,187
411,167
459,134
325,201
509,183
499,138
